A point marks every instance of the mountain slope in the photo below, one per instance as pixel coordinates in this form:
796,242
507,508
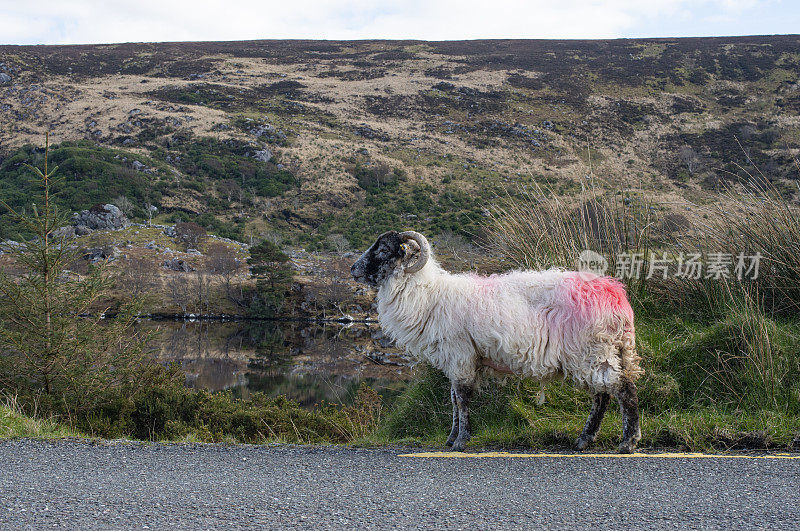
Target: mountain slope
303,139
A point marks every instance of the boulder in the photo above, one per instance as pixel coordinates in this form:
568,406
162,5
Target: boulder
268,132
64,232
97,254
99,217
4,78
176,264
264,155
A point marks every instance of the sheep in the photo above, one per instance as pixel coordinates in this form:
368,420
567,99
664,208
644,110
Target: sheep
534,324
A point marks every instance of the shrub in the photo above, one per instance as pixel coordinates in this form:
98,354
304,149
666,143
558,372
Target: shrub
190,233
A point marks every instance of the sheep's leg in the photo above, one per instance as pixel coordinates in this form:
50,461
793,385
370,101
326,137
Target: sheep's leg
463,392
454,430
599,405
629,405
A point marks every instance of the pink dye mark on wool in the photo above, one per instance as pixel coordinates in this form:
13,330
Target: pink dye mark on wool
484,283
589,296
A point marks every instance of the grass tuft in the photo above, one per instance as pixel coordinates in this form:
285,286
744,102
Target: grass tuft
15,423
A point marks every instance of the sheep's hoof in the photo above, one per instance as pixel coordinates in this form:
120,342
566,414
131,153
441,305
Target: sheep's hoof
582,444
627,447
459,445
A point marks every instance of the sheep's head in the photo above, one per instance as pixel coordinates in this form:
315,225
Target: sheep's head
393,251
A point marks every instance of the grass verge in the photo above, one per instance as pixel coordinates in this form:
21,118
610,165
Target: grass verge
14,423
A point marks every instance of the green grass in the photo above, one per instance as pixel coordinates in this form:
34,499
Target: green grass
13,423
702,390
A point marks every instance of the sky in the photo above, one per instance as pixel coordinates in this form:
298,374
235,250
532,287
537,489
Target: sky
112,21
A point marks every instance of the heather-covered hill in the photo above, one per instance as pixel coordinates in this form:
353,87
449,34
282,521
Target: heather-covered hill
307,139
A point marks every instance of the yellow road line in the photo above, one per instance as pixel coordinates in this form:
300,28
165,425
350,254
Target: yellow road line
678,455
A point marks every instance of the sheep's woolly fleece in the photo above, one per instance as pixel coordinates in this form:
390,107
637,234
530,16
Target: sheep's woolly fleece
539,324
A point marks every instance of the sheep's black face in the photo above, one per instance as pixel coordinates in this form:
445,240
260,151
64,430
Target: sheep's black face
378,262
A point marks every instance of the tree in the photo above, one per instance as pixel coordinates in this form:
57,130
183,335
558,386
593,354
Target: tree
56,349
179,292
690,157
339,243
124,204
190,233
150,209
202,285
229,188
270,267
222,261
137,275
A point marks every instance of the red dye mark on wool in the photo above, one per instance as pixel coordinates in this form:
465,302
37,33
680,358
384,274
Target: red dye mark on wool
589,296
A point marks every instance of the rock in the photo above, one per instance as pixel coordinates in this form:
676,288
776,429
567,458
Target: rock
176,264
97,254
134,112
4,78
264,155
8,245
169,231
368,132
194,252
268,133
382,358
99,217
386,342
138,166
64,232
150,245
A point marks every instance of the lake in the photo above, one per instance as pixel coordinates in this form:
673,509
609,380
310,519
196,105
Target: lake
309,362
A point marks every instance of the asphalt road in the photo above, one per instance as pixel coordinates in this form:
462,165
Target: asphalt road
81,485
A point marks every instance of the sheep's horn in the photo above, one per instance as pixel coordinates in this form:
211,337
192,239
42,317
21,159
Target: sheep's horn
424,250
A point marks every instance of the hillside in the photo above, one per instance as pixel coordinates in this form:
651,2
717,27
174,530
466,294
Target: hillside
301,140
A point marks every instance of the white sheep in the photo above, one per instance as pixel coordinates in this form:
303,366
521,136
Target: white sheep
535,324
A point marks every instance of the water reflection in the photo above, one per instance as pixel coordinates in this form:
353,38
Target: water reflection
308,362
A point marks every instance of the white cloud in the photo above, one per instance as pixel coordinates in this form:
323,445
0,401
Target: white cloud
90,21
